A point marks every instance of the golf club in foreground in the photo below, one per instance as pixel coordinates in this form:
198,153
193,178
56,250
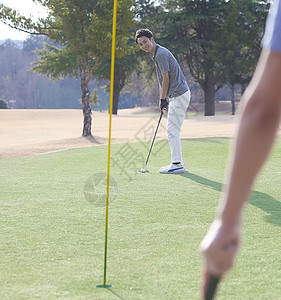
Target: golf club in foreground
145,169
211,287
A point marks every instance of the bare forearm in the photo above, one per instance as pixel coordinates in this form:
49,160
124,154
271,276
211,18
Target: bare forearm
255,136
254,142
165,86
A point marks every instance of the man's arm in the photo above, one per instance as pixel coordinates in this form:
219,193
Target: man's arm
164,89
259,122
165,85
258,125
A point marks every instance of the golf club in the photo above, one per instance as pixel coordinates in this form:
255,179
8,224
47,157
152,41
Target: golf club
211,287
145,169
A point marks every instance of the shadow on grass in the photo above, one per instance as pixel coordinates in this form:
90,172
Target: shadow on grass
110,289
114,293
214,140
269,205
204,181
90,287
261,200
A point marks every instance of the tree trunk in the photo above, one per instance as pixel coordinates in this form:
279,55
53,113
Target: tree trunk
233,101
117,87
87,111
115,101
209,93
243,88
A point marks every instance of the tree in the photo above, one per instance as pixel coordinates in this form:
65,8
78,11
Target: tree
200,32
123,69
143,82
33,43
18,85
130,68
3,104
83,31
243,31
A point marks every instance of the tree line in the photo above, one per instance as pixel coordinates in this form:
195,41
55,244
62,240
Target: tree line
21,88
218,42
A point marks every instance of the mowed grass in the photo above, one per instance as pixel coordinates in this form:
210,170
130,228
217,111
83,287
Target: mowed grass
53,224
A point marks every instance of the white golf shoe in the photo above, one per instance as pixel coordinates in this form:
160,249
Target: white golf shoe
173,169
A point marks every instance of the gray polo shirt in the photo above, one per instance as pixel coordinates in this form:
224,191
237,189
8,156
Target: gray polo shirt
272,37
165,62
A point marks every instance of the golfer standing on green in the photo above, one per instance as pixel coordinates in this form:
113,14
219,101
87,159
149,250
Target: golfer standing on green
174,92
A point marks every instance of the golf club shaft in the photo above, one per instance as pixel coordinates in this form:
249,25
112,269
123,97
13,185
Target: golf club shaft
211,287
153,138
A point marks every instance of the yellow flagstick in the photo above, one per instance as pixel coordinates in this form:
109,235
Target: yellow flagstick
109,137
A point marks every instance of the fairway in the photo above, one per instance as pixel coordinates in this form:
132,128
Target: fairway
25,132
53,217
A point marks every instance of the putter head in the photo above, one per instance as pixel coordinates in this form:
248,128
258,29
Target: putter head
143,171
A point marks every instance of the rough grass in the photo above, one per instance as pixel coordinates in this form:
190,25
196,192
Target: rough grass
52,225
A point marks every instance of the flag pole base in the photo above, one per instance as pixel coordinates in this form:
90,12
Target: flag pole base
107,286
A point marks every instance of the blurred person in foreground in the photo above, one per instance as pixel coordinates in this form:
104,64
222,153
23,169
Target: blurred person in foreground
257,128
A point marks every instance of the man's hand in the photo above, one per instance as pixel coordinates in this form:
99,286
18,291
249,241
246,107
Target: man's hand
163,104
219,248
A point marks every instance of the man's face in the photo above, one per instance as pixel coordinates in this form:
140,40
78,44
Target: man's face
146,44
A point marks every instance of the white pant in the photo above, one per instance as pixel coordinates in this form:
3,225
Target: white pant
176,113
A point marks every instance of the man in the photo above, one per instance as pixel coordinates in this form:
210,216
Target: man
174,92
257,128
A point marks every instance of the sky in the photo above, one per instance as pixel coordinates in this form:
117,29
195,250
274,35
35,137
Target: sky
27,8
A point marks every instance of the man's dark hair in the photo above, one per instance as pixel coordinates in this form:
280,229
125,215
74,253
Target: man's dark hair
143,32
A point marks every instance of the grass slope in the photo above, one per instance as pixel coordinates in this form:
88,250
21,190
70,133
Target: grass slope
52,225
